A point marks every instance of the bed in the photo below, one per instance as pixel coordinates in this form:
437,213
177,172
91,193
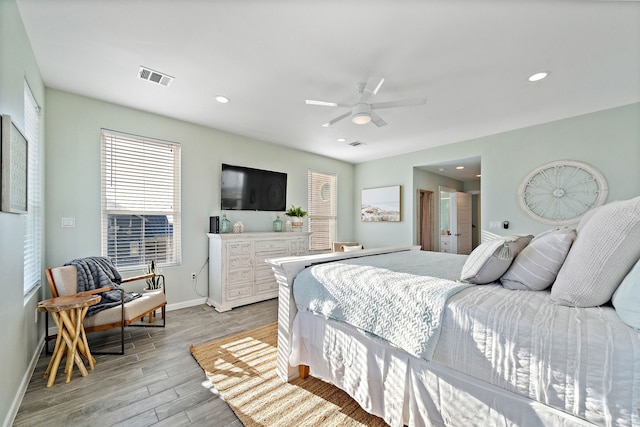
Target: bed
496,353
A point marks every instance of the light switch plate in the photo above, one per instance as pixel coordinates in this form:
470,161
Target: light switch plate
494,225
68,222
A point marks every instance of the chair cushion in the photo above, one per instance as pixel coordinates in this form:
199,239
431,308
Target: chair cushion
132,309
66,280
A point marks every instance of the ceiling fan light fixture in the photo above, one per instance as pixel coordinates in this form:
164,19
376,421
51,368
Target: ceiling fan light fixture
361,118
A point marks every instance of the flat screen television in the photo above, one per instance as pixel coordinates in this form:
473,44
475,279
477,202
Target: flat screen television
252,189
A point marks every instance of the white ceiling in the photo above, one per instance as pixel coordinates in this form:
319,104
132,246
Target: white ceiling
470,59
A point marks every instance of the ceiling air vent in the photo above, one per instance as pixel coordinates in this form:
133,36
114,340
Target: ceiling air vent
155,76
356,143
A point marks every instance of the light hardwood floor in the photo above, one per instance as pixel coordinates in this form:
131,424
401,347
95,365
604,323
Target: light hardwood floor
156,382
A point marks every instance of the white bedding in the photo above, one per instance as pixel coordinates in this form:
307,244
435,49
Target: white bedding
584,362
504,358
392,296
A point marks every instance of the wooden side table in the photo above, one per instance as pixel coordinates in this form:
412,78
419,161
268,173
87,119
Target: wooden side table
68,312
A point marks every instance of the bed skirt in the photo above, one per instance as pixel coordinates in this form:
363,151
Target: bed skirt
405,390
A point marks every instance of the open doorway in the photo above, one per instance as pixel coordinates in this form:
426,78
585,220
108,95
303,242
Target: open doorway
455,221
460,175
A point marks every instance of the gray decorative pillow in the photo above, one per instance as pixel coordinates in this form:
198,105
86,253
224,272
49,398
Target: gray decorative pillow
491,259
536,267
605,249
626,299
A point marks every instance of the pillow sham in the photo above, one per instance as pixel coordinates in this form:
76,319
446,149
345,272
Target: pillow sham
626,299
536,267
491,259
605,249
346,248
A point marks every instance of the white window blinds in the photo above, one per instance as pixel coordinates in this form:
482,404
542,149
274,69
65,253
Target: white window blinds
322,209
33,218
140,200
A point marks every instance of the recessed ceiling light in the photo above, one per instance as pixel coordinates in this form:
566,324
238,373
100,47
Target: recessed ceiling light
342,140
538,76
459,167
222,99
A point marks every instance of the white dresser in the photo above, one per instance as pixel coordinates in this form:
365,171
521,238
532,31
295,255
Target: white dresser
238,273
445,243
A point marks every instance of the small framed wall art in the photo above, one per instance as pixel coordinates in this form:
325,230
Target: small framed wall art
14,167
381,204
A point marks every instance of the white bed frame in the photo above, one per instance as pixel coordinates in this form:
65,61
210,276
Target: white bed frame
437,395
285,270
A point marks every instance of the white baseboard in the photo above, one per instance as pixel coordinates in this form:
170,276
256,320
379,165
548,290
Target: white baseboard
185,304
24,384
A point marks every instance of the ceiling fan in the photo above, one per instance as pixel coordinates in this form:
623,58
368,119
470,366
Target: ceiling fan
362,112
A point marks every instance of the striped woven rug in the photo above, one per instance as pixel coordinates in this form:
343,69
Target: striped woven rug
242,369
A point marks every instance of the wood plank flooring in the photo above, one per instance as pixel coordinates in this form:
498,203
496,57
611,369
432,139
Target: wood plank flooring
155,383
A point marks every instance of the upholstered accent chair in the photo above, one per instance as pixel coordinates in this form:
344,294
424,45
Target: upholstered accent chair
64,281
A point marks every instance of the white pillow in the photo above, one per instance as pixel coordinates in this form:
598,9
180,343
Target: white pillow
626,299
536,267
491,259
351,248
604,251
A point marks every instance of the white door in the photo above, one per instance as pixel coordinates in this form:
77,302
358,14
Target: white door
460,221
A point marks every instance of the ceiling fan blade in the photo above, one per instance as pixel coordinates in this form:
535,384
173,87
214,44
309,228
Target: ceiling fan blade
370,88
337,119
377,120
322,103
325,103
394,104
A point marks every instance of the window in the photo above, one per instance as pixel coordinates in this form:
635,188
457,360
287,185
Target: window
322,210
33,218
140,200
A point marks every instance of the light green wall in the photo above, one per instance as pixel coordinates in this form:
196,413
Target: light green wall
608,140
20,335
73,181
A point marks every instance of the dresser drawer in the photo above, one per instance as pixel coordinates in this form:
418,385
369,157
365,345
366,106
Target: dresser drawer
261,258
241,276
270,245
239,248
298,247
237,293
265,287
236,262
264,273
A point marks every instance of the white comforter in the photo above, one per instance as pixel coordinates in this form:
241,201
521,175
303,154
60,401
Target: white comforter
583,361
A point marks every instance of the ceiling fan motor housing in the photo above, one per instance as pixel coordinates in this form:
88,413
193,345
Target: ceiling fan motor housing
361,114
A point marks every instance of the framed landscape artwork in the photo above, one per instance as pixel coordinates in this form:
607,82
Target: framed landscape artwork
13,176
380,204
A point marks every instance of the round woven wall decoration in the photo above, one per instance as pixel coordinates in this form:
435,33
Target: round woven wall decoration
560,192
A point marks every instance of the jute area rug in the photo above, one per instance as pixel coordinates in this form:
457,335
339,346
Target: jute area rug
242,368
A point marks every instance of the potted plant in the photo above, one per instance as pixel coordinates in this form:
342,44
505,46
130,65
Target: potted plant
296,213
153,283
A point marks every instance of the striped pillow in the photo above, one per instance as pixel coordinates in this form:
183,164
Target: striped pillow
536,267
604,251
